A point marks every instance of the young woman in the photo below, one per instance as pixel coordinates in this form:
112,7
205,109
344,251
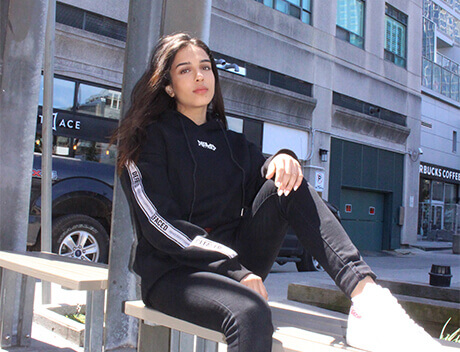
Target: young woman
211,212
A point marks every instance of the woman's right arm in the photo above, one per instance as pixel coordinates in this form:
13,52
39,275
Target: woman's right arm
147,185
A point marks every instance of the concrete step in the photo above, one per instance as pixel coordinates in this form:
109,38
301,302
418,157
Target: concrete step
448,294
307,328
431,314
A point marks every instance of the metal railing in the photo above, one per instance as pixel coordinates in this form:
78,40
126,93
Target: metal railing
442,76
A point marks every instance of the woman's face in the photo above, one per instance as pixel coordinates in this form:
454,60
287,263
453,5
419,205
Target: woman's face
192,80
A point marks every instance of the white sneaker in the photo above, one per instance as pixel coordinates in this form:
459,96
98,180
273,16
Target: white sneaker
377,323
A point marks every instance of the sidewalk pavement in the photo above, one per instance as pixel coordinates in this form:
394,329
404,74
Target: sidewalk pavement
408,265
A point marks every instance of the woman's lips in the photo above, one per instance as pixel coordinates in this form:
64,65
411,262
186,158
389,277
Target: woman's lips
200,90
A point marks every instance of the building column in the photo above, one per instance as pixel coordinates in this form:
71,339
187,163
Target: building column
148,21
22,33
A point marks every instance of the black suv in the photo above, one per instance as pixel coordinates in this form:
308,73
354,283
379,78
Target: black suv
81,207
82,194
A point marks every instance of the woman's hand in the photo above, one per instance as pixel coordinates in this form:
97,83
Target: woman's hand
288,172
255,282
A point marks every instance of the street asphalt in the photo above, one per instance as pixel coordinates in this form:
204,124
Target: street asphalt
408,265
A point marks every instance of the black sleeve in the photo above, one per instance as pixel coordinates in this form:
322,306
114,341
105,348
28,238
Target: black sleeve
146,184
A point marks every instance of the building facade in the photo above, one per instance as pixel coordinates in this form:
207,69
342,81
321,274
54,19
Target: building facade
336,81
439,209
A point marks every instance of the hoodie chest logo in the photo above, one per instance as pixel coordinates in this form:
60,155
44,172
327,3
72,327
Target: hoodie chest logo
206,145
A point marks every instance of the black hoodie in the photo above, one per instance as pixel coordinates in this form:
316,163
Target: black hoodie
187,193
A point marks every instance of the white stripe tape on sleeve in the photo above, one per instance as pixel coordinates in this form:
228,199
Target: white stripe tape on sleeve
151,212
164,226
205,243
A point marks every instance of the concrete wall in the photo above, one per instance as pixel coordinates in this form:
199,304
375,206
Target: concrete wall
89,56
257,34
115,9
436,141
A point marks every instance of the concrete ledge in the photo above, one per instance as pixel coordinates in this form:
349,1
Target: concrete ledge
429,313
448,294
53,318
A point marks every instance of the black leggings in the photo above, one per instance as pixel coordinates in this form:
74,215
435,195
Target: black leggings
220,303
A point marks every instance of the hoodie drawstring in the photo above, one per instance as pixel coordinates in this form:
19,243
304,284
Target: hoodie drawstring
195,165
238,165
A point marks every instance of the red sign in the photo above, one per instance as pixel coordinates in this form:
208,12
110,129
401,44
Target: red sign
371,210
348,208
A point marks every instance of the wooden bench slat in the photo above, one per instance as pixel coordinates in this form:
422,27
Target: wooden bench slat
68,274
286,338
137,309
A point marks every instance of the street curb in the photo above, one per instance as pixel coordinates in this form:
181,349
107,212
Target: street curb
53,318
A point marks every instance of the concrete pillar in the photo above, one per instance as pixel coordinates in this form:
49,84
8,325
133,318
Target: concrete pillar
148,20
22,32
192,16
22,39
145,17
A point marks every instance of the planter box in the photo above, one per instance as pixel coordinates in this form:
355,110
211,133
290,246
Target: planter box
53,317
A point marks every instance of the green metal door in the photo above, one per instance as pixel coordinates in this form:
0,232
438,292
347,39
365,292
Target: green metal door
362,217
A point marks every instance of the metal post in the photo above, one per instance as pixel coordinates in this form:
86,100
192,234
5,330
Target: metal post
47,140
94,323
148,20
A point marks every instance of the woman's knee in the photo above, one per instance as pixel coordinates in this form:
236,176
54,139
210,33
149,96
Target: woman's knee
250,328
255,315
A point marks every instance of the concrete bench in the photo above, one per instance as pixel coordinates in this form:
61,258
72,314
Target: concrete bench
296,329
69,273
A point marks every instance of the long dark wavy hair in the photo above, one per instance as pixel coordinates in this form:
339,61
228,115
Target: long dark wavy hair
149,98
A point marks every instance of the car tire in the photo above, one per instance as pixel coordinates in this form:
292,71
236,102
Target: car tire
308,263
80,236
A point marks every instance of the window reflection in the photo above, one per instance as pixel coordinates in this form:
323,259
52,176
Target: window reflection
99,101
63,94
300,9
80,149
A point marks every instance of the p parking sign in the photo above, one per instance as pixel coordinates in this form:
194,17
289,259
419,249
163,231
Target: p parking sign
319,181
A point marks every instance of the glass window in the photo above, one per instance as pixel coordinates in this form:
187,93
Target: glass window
426,73
282,6
350,17
445,88
424,190
449,217
300,9
436,78
92,22
69,15
80,149
94,151
437,192
454,141
450,193
428,39
99,101
63,94
235,124
395,36
454,88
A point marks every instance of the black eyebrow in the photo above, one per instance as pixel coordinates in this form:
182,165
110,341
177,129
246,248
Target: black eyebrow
189,63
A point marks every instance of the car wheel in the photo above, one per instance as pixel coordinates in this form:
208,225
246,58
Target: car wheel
80,236
308,263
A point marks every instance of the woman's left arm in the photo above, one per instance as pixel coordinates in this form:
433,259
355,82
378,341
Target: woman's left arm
287,172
